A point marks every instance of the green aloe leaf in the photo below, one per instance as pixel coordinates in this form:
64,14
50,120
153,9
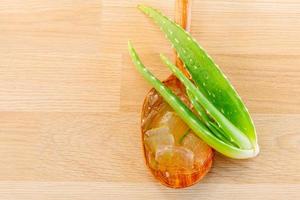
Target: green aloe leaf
225,124
207,76
187,115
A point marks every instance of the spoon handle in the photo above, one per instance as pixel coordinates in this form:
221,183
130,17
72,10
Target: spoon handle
183,18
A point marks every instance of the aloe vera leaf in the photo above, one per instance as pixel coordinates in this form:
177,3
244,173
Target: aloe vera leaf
186,114
238,137
206,74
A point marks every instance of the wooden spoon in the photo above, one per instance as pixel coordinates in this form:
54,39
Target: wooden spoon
173,153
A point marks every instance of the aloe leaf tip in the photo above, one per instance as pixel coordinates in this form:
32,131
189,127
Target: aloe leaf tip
129,45
142,7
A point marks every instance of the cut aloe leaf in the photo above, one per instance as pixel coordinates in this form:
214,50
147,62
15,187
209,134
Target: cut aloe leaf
207,76
187,115
240,139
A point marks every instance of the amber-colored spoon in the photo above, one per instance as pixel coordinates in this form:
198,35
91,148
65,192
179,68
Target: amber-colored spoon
174,154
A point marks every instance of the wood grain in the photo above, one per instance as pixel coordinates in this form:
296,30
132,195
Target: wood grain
70,98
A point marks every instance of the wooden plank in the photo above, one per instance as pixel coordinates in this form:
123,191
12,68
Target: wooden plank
136,191
52,58
107,147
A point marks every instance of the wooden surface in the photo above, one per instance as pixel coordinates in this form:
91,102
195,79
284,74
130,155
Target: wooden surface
70,98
